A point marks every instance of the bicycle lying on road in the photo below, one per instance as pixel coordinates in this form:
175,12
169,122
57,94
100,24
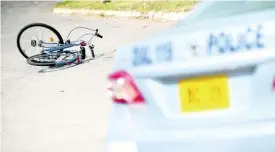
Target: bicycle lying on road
51,50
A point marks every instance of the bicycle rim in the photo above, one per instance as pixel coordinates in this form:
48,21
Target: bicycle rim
41,60
66,58
57,59
30,37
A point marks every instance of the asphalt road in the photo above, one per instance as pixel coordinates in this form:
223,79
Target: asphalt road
59,110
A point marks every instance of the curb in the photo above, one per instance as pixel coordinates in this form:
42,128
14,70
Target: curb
151,15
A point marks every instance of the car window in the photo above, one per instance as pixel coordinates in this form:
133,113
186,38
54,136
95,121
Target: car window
216,9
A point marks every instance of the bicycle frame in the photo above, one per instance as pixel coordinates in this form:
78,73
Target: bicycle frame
59,47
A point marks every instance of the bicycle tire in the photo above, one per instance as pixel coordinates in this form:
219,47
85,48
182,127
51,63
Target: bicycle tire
36,25
31,60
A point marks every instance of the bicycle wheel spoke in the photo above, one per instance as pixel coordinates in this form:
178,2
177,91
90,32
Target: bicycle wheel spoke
52,59
31,36
36,34
42,33
27,38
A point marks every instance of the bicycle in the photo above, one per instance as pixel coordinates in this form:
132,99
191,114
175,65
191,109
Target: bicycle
54,53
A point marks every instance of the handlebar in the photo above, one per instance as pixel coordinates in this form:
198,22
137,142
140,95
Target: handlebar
97,34
93,34
100,36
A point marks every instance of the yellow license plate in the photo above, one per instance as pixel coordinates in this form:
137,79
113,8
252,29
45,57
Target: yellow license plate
204,93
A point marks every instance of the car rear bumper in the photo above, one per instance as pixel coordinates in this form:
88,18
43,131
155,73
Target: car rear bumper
124,135
259,144
165,142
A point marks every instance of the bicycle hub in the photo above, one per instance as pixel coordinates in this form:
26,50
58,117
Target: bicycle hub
33,43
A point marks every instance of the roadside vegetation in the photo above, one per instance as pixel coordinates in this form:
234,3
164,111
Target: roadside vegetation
141,6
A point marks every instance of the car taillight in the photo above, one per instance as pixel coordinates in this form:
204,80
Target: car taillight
123,88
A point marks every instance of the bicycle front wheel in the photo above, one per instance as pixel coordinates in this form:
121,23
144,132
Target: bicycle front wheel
30,38
57,59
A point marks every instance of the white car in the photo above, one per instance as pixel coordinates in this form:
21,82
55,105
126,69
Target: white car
205,85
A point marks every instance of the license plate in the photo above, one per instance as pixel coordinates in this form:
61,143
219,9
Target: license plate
204,93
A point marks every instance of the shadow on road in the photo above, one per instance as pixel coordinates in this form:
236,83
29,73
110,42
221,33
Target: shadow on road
108,55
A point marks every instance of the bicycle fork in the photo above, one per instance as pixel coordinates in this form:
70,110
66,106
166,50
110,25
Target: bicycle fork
83,52
92,50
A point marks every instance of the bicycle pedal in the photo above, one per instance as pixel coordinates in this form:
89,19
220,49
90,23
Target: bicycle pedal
78,60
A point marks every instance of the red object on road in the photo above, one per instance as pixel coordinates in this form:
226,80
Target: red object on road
78,60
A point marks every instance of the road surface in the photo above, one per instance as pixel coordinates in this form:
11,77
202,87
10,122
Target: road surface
59,110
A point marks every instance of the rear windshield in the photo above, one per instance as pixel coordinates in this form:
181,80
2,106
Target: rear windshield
216,9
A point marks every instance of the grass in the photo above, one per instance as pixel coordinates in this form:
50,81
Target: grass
141,6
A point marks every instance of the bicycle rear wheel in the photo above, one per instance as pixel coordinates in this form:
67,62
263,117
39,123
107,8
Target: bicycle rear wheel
57,59
30,37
